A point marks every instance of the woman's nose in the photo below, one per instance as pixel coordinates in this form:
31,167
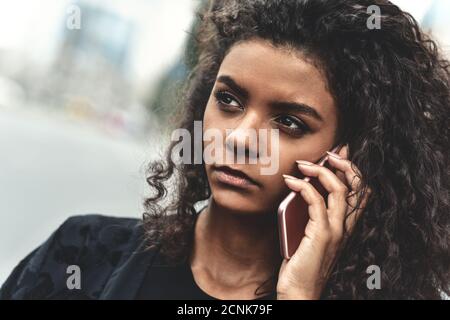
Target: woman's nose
243,140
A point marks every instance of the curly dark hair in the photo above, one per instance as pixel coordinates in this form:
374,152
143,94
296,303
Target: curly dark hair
391,87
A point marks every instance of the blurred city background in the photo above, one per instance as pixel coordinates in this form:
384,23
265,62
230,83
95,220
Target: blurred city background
83,107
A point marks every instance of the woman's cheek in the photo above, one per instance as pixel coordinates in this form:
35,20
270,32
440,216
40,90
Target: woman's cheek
275,188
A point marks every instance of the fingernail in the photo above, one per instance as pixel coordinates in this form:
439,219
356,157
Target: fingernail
334,155
303,162
286,176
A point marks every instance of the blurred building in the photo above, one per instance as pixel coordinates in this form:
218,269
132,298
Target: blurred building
89,75
102,72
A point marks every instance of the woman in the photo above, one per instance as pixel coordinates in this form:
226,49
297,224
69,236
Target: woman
315,71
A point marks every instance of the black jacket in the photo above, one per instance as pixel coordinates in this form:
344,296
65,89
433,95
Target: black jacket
108,250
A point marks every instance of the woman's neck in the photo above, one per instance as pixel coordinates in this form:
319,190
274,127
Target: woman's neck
234,250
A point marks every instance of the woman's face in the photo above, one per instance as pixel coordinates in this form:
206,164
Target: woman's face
258,87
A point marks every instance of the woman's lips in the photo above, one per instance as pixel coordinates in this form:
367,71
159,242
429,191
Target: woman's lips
233,177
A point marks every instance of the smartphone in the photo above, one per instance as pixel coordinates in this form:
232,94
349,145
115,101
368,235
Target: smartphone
293,214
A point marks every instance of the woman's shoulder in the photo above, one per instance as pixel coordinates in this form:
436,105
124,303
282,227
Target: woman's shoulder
96,233
93,245
109,230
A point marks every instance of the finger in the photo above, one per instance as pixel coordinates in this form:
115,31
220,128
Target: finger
353,178
343,152
316,204
327,178
351,172
333,185
357,210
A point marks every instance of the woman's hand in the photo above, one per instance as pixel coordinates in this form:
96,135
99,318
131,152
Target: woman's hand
306,273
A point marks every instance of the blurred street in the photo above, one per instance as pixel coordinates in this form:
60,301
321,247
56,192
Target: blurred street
54,168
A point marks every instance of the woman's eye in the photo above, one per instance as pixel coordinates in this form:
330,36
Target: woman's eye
226,100
292,124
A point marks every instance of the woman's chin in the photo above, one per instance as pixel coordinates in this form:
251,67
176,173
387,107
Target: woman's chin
237,202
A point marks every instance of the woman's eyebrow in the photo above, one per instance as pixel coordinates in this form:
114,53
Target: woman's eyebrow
296,107
283,105
233,85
